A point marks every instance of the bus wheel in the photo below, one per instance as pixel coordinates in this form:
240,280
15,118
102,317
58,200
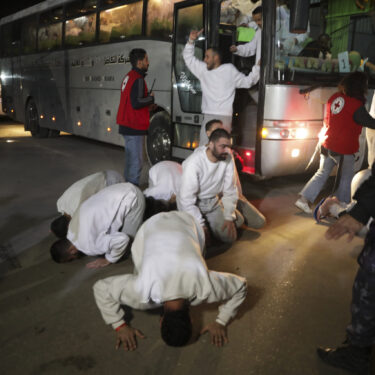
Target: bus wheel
32,121
158,143
53,133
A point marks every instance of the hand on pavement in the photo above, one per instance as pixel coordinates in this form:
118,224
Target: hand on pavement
127,336
218,333
99,263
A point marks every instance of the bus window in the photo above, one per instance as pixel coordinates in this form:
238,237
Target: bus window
29,27
121,22
189,89
160,18
80,7
339,40
10,38
50,30
80,31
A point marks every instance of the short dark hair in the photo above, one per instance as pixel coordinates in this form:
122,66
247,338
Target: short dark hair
59,250
354,85
176,328
258,10
210,123
217,51
155,206
217,134
135,55
59,227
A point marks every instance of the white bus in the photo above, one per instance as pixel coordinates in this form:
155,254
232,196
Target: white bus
62,63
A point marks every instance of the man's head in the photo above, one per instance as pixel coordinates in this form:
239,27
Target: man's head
155,206
63,251
176,328
139,59
219,144
59,227
212,125
258,16
212,58
324,41
354,85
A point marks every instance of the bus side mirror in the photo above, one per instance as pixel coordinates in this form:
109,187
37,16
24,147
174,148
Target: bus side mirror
299,16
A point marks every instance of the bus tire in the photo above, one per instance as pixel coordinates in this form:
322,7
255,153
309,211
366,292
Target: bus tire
32,121
53,133
159,141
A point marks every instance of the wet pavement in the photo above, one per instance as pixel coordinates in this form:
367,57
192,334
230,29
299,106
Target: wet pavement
299,283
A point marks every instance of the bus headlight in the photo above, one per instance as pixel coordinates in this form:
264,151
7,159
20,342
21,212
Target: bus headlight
295,153
302,133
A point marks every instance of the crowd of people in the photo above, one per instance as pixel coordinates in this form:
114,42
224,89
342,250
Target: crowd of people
187,208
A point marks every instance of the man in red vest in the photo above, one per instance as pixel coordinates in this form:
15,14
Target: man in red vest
133,116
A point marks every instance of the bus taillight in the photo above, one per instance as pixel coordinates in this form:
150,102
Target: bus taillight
245,160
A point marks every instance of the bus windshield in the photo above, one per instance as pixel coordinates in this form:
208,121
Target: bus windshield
339,39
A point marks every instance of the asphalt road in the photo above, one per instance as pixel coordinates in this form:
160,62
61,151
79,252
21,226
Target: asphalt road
299,283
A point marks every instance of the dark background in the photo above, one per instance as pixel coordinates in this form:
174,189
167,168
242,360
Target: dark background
14,6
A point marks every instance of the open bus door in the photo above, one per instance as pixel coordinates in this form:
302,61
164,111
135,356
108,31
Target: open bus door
186,91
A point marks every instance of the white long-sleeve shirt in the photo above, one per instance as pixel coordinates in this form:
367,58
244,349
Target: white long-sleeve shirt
204,179
218,85
84,188
168,265
95,227
164,180
254,47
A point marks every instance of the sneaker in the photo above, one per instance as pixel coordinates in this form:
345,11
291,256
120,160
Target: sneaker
348,357
304,206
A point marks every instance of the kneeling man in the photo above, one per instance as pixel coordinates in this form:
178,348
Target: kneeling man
103,225
169,271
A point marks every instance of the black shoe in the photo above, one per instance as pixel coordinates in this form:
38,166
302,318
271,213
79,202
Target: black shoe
352,358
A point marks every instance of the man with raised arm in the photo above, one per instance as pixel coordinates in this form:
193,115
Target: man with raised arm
169,272
218,81
207,173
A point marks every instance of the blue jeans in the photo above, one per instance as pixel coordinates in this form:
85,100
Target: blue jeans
133,158
317,182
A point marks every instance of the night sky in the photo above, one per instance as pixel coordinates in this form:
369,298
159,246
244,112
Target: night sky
15,6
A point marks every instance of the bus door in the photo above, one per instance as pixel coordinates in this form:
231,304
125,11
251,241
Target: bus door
187,93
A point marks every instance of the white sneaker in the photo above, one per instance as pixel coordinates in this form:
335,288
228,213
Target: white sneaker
304,206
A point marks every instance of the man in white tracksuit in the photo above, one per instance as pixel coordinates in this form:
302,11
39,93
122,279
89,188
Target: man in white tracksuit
169,271
164,180
77,193
254,46
218,82
104,224
207,173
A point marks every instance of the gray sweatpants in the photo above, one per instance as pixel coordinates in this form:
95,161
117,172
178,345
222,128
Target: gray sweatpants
213,211
134,218
112,177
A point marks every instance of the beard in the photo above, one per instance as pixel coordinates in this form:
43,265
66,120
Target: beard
219,156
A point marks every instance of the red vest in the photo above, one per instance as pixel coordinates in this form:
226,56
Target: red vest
126,115
342,132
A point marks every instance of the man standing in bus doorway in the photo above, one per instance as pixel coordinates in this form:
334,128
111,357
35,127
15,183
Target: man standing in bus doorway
218,81
254,46
133,116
